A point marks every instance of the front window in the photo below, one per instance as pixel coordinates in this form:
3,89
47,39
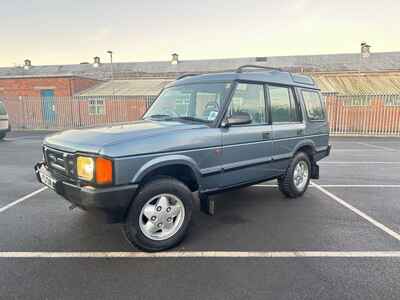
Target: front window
249,98
193,102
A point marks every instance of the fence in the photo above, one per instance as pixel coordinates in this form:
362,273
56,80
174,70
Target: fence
374,115
74,112
348,115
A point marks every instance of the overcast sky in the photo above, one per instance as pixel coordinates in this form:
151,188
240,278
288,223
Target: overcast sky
73,31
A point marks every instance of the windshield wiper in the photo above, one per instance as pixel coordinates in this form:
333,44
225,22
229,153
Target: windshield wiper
159,116
194,119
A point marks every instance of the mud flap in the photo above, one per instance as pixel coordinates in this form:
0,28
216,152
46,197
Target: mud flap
207,205
314,171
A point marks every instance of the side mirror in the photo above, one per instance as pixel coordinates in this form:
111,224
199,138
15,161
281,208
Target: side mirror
238,118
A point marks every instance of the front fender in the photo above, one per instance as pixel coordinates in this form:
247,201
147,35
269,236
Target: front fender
166,161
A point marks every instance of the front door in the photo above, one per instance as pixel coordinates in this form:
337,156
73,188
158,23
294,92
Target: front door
247,149
48,106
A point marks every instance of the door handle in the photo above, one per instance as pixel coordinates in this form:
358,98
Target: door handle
300,131
266,135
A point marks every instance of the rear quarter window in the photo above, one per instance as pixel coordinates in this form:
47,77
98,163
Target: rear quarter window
2,109
314,105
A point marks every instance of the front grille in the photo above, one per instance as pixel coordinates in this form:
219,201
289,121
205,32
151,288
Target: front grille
59,161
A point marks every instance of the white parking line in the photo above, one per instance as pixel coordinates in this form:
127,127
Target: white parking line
4,208
358,212
390,142
359,163
362,150
376,146
360,185
201,254
341,185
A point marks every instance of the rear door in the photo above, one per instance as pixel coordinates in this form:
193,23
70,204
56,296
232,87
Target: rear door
247,149
287,124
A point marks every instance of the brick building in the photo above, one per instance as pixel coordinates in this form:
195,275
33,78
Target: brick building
58,86
30,92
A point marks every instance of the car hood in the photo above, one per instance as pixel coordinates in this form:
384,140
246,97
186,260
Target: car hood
96,140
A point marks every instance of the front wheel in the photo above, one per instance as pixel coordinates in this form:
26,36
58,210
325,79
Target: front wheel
297,178
160,215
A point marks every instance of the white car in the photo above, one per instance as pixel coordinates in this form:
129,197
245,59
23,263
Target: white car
4,123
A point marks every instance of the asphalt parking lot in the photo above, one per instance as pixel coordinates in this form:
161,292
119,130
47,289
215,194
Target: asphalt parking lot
339,241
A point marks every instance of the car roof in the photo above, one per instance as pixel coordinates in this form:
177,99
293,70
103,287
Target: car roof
269,76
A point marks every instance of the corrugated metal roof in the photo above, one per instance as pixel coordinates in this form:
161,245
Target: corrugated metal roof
137,87
329,62
363,83
341,83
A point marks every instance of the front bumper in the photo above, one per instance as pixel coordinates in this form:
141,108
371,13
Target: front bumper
110,203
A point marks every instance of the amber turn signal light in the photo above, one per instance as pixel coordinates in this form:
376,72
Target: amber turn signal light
104,171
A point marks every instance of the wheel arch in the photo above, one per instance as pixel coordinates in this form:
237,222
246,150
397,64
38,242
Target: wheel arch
309,148
306,146
180,167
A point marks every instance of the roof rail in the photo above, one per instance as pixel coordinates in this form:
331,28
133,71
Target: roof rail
240,69
186,75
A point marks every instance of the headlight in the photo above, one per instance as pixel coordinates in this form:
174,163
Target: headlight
85,168
98,168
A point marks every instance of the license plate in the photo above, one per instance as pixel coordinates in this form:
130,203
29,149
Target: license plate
47,180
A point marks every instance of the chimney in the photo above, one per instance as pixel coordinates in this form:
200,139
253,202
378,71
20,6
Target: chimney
96,62
175,59
365,50
27,64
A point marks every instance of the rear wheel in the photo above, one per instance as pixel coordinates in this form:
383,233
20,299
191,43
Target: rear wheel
297,178
160,215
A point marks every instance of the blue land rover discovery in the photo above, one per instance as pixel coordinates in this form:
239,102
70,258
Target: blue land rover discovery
205,133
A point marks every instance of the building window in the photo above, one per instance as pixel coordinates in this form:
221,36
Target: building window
313,103
392,100
357,100
97,107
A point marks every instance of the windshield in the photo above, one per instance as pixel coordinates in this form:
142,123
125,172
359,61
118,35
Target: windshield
193,102
2,109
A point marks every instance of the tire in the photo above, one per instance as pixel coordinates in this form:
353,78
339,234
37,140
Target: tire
287,183
174,216
2,135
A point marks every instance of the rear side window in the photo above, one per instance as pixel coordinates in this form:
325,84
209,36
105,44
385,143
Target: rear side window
314,106
2,109
284,107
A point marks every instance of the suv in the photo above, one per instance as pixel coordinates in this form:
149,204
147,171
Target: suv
4,123
206,133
